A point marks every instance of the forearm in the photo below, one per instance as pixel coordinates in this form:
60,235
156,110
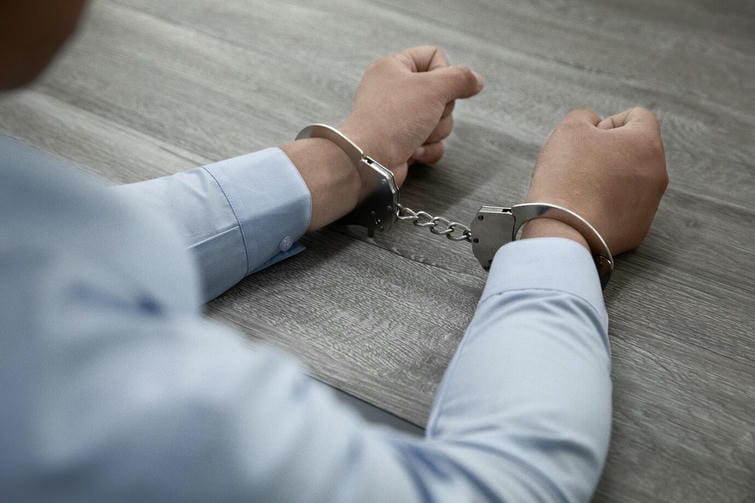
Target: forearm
238,215
242,214
523,413
528,392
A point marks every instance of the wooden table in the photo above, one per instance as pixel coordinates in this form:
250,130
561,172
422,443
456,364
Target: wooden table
151,88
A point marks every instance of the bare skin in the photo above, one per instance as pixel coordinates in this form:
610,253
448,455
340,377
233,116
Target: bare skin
401,113
610,171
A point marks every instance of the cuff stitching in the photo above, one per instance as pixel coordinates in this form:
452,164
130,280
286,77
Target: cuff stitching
235,215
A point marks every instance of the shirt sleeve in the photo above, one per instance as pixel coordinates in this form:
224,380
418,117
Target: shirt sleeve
528,393
523,413
239,215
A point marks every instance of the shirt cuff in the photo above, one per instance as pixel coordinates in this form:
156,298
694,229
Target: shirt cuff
547,264
271,202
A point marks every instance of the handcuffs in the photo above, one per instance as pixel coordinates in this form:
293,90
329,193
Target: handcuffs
492,227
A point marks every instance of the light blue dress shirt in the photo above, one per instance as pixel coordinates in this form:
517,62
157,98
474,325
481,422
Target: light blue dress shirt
114,387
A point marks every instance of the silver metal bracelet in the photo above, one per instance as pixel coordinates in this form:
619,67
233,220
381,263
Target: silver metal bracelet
492,227
379,208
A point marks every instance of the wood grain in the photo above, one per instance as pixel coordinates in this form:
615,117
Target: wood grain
151,88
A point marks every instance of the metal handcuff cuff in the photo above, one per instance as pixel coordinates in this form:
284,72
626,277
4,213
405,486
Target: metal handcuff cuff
492,227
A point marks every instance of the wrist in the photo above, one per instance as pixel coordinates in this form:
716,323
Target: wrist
363,134
548,227
331,177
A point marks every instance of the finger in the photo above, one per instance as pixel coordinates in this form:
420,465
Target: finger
442,130
608,123
399,174
645,120
582,116
616,120
448,110
429,153
636,116
454,82
425,58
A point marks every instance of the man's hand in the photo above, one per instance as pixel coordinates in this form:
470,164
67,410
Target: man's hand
401,114
612,172
403,107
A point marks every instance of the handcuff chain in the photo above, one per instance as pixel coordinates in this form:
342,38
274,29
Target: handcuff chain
439,226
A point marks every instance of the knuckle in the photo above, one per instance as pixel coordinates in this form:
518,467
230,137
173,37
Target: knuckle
647,114
653,141
429,48
437,54
570,122
579,113
436,51
375,65
447,125
649,119
432,154
442,130
436,153
577,117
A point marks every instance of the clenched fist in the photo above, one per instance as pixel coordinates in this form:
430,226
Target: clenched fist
403,107
612,172
401,114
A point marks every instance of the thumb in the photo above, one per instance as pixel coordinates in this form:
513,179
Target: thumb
455,82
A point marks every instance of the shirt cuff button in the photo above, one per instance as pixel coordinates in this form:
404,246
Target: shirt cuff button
285,244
